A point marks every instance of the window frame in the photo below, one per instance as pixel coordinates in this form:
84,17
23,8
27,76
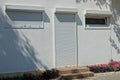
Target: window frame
27,9
98,15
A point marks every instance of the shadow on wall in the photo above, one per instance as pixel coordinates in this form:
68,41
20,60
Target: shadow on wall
99,3
115,8
16,54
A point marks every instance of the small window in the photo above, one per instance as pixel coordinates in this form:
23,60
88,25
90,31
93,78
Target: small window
97,19
101,21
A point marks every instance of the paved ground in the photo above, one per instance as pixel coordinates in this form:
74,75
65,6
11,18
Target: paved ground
104,76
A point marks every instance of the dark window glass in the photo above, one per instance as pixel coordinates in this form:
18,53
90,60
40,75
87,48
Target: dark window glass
96,21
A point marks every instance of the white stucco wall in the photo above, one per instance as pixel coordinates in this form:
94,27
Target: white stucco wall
26,49
94,47
30,49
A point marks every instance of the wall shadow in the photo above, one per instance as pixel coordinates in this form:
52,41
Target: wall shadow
16,54
115,8
46,17
99,3
78,20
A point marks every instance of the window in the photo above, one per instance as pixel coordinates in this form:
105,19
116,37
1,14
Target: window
96,21
25,17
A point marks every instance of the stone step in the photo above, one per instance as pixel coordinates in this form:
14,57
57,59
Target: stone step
77,75
67,70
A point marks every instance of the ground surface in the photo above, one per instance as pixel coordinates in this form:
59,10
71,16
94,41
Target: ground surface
104,76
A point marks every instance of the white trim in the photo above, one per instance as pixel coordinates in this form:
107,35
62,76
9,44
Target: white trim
54,40
98,13
66,10
76,39
24,8
98,27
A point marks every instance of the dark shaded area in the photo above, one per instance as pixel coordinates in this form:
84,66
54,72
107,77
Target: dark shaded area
36,75
79,22
50,74
65,17
46,17
95,21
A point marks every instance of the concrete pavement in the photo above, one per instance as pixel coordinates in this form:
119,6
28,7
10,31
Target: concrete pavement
104,76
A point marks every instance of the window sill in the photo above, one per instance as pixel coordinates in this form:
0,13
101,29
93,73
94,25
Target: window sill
97,27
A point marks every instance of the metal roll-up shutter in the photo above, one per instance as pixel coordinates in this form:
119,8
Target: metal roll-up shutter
25,19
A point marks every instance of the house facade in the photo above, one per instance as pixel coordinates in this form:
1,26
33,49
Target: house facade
44,34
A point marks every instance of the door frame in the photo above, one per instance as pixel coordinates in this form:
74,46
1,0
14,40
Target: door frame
77,60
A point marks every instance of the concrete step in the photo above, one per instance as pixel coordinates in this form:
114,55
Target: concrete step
77,75
74,72
67,70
